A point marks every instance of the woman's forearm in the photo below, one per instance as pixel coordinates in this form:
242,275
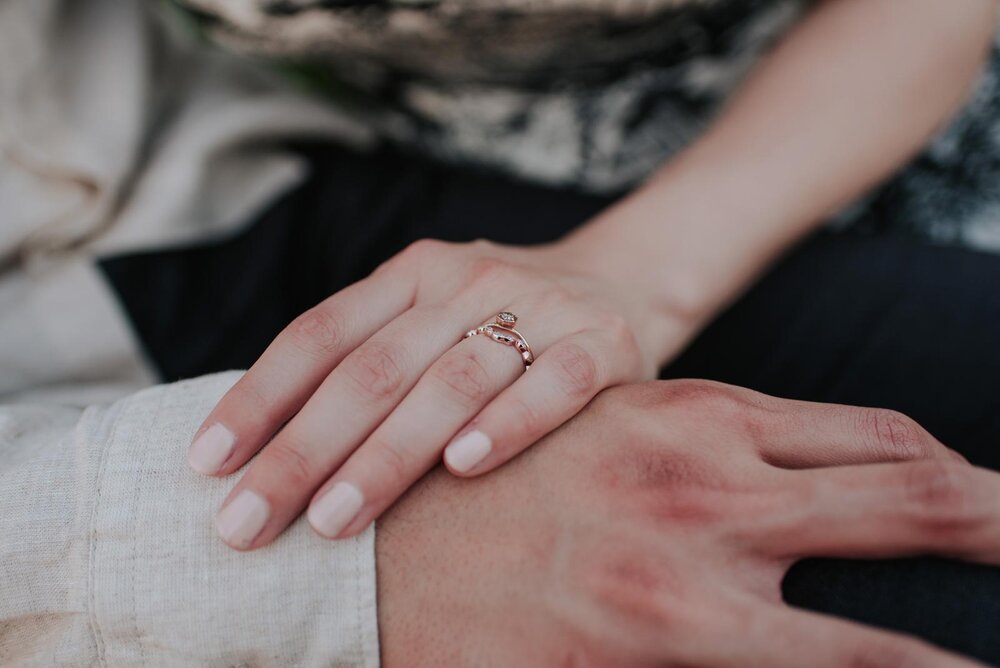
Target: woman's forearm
856,89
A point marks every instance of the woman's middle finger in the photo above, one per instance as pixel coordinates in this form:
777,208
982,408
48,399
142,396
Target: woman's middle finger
410,441
293,366
344,410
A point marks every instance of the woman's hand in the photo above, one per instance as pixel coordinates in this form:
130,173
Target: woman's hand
360,395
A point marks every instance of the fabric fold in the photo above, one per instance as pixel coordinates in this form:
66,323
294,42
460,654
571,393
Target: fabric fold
110,556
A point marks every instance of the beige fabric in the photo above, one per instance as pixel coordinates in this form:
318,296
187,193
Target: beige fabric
63,337
119,135
108,555
116,136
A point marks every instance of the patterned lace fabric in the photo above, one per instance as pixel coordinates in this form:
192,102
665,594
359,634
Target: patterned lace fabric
592,94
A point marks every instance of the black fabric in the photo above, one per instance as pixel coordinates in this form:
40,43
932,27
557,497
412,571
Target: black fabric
866,320
871,321
216,306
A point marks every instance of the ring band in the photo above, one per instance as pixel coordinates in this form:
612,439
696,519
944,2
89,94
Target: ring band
502,331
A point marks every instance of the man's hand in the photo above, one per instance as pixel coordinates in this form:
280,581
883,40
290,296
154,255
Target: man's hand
655,529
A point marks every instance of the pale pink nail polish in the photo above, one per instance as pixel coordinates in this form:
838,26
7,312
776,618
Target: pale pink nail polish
466,451
242,520
211,450
332,512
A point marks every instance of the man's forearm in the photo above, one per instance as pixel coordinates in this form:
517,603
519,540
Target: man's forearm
853,92
108,555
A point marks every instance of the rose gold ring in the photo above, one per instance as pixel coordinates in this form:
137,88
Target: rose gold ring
502,330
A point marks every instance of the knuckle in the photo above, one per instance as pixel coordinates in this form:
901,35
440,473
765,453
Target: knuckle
687,507
934,484
395,462
483,244
671,474
529,422
726,404
887,654
288,457
576,653
745,414
318,331
374,369
555,297
621,330
422,250
892,435
641,396
386,267
257,406
623,339
464,376
941,493
487,270
577,370
684,391
630,584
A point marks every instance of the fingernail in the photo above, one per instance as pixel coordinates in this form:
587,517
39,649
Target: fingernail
211,450
244,517
335,509
467,450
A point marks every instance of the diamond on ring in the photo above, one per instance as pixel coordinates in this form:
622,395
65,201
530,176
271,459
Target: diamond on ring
506,319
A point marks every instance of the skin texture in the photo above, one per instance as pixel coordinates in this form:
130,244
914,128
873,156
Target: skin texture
654,530
399,394
362,394
851,94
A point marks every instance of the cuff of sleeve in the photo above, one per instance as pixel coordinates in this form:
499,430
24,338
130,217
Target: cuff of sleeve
164,589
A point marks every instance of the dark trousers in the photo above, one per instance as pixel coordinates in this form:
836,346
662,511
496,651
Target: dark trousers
845,318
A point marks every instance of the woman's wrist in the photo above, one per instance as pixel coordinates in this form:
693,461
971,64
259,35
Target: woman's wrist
786,153
667,313
674,252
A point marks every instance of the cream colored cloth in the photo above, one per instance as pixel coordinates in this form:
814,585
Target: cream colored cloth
121,134
116,135
108,555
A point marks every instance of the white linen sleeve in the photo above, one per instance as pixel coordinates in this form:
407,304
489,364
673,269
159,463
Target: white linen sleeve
109,557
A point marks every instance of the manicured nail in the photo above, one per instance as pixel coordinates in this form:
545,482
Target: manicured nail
334,510
466,451
211,450
244,517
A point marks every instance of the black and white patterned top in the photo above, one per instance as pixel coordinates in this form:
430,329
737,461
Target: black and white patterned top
593,94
